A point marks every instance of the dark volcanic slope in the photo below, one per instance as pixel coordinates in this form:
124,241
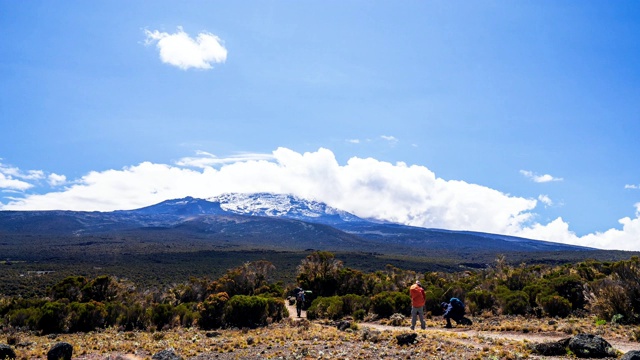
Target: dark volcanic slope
204,223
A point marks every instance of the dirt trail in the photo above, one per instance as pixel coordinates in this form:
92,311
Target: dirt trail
624,346
465,332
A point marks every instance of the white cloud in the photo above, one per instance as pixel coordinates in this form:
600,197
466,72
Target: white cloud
633,186
545,200
7,182
56,180
389,138
208,160
178,49
367,187
353,141
539,178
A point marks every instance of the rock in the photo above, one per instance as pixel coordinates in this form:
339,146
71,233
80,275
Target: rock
550,349
396,319
406,338
166,355
591,346
212,334
632,355
60,351
6,352
343,325
371,335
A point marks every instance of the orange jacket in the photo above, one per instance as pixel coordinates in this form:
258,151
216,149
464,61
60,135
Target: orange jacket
418,297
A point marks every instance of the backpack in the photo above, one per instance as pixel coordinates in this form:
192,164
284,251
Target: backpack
457,304
300,296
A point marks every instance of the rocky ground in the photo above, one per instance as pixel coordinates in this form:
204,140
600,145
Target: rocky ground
294,338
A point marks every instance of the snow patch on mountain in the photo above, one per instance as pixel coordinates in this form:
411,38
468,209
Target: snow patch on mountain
280,205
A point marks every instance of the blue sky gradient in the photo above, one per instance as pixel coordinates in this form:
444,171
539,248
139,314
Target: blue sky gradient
490,95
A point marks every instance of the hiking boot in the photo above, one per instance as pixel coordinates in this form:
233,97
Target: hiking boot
448,326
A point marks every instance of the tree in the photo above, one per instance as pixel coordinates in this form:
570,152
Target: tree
319,272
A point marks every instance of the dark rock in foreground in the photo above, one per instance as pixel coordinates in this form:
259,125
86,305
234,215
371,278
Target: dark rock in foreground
6,352
591,346
166,355
60,351
406,339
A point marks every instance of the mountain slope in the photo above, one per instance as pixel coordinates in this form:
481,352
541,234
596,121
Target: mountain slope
268,221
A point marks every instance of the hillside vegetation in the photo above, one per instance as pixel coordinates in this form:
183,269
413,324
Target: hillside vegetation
248,296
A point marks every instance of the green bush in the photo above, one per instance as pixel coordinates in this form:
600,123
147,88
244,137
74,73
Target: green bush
352,303
388,303
212,310
86,317
359,314
555,305
483,300
51,318
515,303
246,311
276,309
326,308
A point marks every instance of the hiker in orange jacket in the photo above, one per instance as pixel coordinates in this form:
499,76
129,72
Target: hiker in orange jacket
418,298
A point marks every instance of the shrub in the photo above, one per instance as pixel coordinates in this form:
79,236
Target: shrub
481,300
359,314
326,308
70,288
276,309
352,303
212,310
86,317
51,318
515,303
388,303
246,311
555,305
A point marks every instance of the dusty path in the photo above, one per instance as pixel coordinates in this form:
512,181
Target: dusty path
623,346
464,333
292,311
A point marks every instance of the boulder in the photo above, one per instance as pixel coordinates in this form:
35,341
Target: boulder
550,349
591,346
406,338
166,355
60,351
6,352
343,325
632,355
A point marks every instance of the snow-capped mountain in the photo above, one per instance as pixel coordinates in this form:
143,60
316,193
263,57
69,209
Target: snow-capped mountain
281,205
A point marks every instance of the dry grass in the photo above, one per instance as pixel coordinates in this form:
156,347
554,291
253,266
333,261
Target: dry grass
312,340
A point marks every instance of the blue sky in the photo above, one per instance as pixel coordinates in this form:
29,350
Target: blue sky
513,117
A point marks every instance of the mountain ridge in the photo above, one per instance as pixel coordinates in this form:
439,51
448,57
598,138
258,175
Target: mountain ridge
237,217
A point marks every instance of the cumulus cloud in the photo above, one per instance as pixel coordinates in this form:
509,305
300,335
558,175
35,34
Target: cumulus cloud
545,200
632,186
369,188
56,180
179,49
539,178
7,182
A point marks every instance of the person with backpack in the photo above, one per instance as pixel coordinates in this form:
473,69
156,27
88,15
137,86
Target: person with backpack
418,298
299,300
454,309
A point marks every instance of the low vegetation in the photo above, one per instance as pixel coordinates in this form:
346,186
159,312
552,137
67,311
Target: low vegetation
248,297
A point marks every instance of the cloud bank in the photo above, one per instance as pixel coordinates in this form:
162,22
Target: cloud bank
180,50
369,188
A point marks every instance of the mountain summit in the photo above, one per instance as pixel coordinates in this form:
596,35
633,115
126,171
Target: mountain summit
281,205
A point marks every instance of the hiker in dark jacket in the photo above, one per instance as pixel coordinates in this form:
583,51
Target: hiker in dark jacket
454,309
299,300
